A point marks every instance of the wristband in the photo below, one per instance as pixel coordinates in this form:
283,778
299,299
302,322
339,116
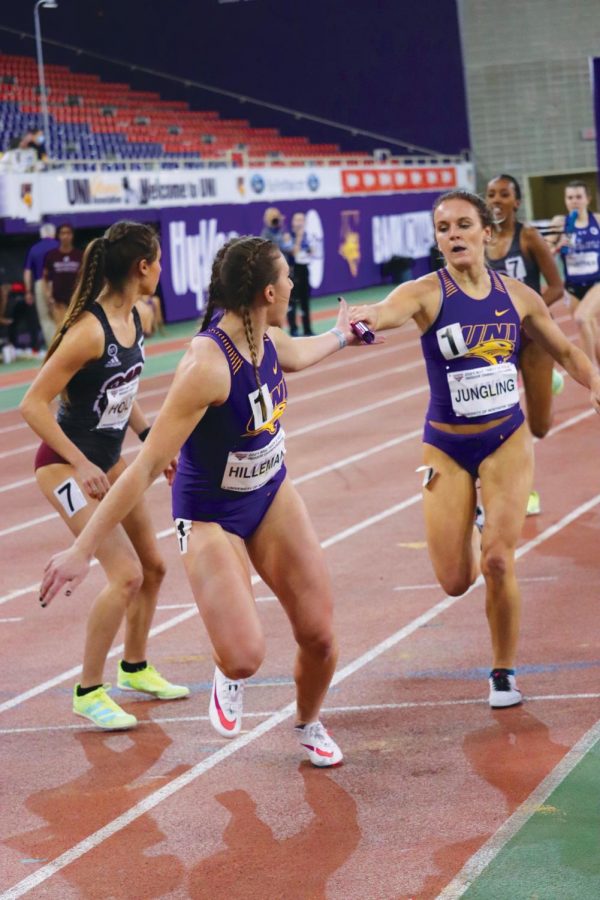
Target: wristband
340,336
144,434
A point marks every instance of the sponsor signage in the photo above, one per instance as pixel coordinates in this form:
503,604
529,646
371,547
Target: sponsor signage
351,238
392,179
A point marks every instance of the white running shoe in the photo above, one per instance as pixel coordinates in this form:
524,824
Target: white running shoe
226,705
320,748
503,689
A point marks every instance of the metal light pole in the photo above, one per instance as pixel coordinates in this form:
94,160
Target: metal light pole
46,4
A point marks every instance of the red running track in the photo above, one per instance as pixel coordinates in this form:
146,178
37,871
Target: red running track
173,811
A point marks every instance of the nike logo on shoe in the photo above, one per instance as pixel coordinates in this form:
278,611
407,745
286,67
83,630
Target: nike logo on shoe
326,753
225,722
501,311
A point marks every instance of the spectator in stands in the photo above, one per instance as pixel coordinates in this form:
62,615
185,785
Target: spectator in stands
273,230
34,282
301,253
21,317
61,268
34,140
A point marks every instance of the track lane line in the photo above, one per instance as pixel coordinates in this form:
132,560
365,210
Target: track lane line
135,812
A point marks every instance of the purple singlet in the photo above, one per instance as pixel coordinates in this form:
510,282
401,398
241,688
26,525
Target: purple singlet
471,353
233,460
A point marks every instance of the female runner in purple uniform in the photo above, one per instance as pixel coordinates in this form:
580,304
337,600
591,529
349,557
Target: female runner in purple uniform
232,501
94,363
470,320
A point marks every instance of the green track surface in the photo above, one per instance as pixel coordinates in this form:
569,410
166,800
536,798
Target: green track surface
163,363
556,854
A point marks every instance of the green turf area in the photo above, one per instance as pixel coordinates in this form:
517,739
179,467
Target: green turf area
161,363
556,855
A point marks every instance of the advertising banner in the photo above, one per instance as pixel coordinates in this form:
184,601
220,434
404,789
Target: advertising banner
352,238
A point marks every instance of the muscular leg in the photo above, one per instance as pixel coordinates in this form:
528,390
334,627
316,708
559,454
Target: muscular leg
140,611
536,368
217,567
286,553
586,319
121,566
505,478
449,509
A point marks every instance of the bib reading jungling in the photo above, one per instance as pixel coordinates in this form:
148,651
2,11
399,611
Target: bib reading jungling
483,391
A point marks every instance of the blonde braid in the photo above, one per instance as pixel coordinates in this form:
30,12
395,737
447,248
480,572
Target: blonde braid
250,338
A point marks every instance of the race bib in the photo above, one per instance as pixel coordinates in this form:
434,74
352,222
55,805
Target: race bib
480,392
582,263
249,470
119,401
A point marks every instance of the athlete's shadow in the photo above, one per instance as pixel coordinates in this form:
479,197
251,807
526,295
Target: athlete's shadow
111,785
256,864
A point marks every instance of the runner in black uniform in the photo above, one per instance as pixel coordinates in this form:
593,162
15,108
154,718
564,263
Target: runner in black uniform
520,251
94,363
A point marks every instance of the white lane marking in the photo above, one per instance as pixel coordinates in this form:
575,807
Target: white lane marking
326,710
182,781
182,617
423,587
29,524
175,605
490,850
13,619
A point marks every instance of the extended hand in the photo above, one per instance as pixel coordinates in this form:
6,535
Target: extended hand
68,568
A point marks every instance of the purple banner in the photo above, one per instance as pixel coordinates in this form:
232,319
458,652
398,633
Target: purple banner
352,237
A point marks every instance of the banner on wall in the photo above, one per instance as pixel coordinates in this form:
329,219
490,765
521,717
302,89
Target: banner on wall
32,195
352,238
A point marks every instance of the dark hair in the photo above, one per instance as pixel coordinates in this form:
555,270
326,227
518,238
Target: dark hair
511,180
576,184
242,268
64,225
107,260
485,216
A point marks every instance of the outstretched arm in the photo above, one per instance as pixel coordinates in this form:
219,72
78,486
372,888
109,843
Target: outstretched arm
412,300
542,328
202,378
301,352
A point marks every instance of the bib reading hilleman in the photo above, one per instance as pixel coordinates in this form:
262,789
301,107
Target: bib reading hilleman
119,401
480,392
250,470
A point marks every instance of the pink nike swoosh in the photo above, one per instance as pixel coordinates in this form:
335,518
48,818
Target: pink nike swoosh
327,753
225,722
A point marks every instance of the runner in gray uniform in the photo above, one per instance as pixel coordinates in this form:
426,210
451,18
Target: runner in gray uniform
520,251
94,364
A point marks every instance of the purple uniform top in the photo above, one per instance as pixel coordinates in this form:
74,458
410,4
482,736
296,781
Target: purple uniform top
237,448
471,352
37,254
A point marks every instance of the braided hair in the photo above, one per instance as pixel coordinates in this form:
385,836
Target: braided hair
106,260
242,268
